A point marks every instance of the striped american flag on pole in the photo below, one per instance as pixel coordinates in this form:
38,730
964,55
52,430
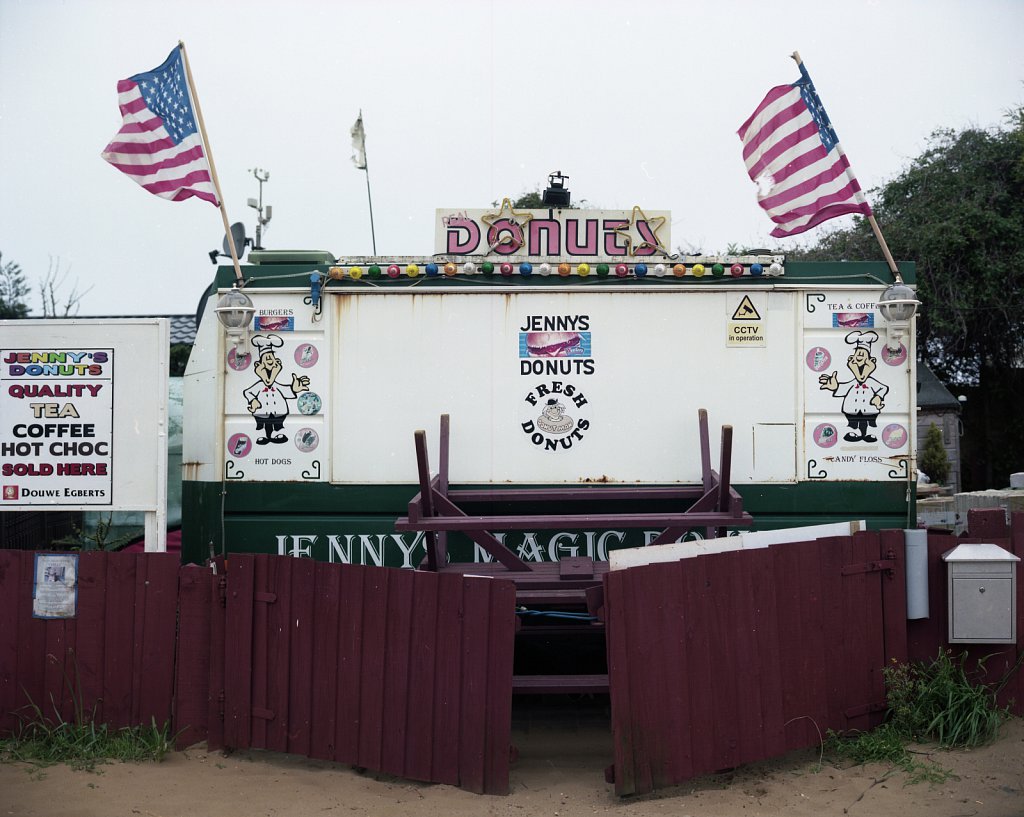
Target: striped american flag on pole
159,145
793,155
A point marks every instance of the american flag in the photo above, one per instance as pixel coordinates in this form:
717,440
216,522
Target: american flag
159,145
793,155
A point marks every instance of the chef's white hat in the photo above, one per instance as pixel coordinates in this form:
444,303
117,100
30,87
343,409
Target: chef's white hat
266,343
862,340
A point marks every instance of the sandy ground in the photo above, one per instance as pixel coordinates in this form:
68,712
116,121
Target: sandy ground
559,773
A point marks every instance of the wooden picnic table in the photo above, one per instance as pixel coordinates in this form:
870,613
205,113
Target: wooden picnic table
436,510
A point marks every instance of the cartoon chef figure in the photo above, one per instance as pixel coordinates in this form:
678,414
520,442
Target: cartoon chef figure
268,402
863,397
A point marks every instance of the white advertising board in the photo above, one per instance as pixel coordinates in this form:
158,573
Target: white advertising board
275,396
83,415
566,386
857,401
561,387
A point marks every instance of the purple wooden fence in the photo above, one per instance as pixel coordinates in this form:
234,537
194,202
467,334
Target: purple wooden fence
113,662
402,672
730,658
713,662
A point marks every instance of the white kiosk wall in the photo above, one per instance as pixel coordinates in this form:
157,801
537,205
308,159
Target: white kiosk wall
83,417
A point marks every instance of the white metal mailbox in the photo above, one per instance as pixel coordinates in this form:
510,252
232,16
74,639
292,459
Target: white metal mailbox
982,594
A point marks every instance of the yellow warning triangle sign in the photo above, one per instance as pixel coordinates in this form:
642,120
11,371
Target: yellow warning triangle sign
745,311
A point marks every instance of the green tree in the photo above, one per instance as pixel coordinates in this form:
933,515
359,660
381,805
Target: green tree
13,289
934,461
179,355
533,200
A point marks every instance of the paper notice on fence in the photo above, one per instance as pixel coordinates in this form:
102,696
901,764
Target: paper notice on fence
55,594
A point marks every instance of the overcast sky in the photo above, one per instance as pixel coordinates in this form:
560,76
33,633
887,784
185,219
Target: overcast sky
464,103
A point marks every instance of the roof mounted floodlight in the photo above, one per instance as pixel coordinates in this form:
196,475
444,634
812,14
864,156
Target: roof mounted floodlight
556,194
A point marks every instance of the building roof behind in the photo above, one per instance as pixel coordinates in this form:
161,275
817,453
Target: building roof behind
183,327
931,394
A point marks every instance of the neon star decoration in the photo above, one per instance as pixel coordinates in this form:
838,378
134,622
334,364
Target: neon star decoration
628,231
506,220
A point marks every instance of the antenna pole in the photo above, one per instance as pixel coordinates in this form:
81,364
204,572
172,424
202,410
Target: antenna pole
213,170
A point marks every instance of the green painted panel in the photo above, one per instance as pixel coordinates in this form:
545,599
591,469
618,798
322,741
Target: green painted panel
372,539
322,521
801,497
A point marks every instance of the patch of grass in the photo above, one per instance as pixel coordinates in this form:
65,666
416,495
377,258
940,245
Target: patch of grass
940,702
83,745
934,702
884,745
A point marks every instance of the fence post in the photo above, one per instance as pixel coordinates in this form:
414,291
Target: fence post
894,597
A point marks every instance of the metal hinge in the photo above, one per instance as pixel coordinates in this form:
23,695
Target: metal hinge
222,590
220,705
888,565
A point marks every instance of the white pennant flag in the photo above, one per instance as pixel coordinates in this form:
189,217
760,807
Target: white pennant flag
359,143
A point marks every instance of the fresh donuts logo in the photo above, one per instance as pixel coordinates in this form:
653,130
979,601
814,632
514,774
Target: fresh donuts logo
555,415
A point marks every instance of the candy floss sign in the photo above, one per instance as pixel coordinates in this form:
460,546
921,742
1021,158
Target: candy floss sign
56,426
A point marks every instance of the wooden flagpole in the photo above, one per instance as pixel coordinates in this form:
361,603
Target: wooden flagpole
871,219
213,169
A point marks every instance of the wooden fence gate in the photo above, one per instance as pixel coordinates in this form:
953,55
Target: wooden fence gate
402,672
725,659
